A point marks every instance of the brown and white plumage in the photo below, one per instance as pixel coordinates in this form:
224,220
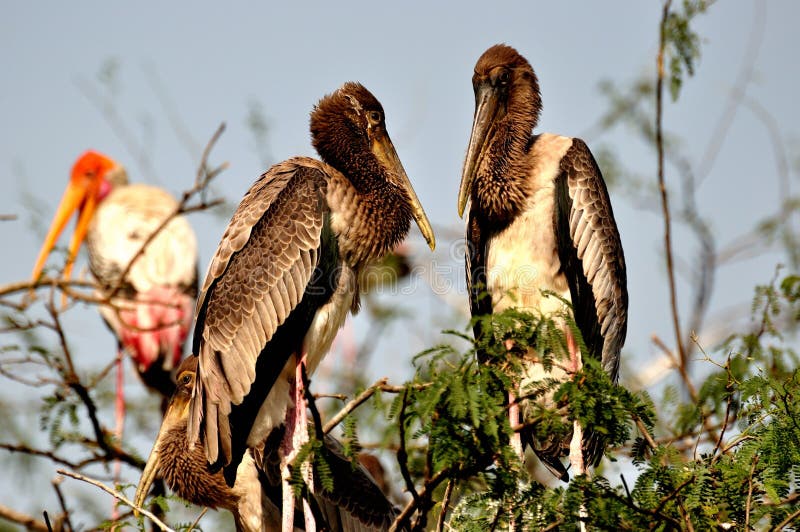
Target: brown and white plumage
355,504
540,219
286,274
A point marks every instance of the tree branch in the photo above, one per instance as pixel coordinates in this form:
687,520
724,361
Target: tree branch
663,188
117,495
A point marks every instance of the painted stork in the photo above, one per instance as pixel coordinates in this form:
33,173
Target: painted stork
151,312
540,219
356,504
287,272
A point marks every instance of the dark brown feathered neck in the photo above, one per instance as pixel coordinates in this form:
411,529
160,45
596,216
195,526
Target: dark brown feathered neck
186,472
501,188
374,212
369,224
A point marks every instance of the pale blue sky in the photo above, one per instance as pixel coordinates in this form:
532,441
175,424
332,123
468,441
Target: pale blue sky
214,58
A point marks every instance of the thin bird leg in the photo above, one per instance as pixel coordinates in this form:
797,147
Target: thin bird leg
119,415
301,437
287,455
295,436
513,415
575,445
286,452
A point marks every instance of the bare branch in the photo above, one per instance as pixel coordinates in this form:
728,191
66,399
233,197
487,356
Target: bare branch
204,177
352,405
29,522
448,492
117,495
682,358
57,487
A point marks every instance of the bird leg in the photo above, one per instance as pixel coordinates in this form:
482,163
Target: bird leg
119,415
513,414
576,444
295,437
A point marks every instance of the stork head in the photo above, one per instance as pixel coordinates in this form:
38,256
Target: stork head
93,176
348,130
175,417
507,100
183,469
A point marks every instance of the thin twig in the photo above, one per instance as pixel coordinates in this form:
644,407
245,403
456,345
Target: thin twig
729,391
749,493
20,448
203,178
645,433
352,405
29,522
791,517
199,517
672,495
117,495
402,454
448,492
682,370
61,501
663,188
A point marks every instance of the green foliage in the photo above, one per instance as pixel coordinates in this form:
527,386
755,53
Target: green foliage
682,44
728,459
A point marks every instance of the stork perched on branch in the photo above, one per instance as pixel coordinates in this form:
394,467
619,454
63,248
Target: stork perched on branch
149,310
540,222
286,274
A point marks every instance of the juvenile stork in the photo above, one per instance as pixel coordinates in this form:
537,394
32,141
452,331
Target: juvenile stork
286,274
540,220
254,500
151,309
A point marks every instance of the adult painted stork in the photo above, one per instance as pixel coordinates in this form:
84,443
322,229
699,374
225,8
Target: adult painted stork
540,220
287,272
356,503
151,310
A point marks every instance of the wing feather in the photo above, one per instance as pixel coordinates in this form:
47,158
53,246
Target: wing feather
591,254
256,278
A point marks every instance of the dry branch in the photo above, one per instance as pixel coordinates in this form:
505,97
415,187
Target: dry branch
117,495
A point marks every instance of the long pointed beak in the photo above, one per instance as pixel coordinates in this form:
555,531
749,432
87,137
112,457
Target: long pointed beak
486,106
176,411
384,150
79,192
150,471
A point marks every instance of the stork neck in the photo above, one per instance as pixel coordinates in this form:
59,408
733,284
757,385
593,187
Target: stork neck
369,220
501,187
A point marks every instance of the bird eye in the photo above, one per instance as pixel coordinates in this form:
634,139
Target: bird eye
504,76
186,378
375,116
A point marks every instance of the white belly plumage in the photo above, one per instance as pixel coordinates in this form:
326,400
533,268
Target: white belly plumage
522,260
